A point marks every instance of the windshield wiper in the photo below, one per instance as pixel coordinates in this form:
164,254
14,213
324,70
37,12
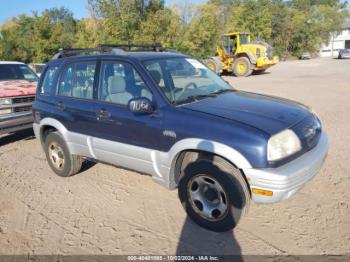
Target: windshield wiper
193,98
222,91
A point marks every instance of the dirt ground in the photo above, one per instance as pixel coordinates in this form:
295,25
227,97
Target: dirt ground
106,210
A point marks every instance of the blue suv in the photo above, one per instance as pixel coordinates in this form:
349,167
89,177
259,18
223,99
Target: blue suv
167,115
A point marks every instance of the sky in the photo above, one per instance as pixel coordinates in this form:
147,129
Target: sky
11,8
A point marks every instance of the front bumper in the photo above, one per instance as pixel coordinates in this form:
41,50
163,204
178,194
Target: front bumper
15,122
286,180
265,62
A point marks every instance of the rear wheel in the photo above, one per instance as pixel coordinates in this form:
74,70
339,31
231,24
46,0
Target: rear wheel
214,64
214,194
242,67
57,154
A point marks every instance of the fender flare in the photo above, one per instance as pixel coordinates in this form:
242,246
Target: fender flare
48,121
195,144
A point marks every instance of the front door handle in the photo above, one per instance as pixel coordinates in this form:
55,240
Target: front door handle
103,114
60,105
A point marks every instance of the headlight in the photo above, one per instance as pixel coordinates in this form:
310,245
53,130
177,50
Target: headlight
5,101
282,145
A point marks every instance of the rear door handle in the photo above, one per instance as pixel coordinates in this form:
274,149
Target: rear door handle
60,105
103,114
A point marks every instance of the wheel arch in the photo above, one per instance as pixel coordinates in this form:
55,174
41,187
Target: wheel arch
183,148
188,156
248,55
49,124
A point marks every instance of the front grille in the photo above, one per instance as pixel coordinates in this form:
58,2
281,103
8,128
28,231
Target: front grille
22,109
26,99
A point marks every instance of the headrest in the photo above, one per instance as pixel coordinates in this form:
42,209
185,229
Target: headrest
156,76
116,84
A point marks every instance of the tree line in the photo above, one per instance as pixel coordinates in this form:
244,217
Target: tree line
291,27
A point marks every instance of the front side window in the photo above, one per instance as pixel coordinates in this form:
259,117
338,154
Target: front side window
186,80
77,80
119,83
17,72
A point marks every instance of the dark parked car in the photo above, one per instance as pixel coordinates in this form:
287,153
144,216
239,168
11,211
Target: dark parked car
344,53
168,115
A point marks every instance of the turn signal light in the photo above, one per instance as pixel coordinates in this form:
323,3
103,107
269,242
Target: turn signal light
262,192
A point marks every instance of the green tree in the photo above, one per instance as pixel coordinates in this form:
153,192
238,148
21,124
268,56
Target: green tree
9,49
203,33
251,16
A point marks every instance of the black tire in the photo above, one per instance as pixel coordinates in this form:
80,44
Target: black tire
259,72
214,64
72,163
231,181
242,60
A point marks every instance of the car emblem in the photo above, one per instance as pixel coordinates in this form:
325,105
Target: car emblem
169,133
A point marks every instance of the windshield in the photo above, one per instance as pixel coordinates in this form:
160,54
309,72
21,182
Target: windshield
185,80
17,72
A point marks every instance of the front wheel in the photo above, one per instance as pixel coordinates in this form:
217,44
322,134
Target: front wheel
242,67
214,194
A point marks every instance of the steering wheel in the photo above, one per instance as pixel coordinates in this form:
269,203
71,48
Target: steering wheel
183,90
190,84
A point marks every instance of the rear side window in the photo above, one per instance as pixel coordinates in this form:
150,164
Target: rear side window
77,80
49,78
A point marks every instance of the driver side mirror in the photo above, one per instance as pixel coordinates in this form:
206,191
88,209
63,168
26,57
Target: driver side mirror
141,106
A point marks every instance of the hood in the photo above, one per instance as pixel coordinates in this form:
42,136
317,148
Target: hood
12,88
269,114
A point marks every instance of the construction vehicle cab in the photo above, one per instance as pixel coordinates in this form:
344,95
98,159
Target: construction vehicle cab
238,55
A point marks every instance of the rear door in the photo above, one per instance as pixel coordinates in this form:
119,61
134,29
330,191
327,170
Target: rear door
74,103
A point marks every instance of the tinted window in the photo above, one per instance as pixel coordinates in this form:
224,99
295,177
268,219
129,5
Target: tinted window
48,82
77,80
119,82
17,72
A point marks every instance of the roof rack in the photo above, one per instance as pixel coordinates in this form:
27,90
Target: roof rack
155,47
108,48
67,52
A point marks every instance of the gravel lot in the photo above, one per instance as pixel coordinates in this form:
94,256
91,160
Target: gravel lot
107,210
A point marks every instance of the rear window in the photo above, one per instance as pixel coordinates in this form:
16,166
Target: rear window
17,72
49,80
